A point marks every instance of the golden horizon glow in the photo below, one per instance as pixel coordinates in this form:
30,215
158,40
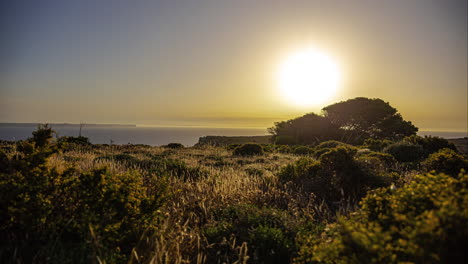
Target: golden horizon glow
308,77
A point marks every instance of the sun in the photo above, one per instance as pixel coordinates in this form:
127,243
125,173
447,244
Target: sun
308,78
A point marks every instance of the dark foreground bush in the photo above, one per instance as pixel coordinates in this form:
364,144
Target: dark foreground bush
406,152
248,149
446,161
69,216
422,222
269,233
336,175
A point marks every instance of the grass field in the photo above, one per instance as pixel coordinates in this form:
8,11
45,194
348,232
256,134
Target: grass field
80,203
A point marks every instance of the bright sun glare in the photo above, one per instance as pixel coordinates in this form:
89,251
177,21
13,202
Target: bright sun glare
308,77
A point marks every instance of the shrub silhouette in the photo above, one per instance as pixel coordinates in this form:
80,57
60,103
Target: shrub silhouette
351,121
405,152
422,222
248,149
174,146
309,129
446,161
361,118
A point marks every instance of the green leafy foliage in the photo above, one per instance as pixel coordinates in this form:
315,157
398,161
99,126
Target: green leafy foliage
422,222
269,233
405,152
376,144
336,175
446,161
302,150
248,149
75,140
431,144
69,216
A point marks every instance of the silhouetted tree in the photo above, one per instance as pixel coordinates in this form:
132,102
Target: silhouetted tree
362,118
351,121
309,129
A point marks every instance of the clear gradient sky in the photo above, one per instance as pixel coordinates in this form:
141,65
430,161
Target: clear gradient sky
213,62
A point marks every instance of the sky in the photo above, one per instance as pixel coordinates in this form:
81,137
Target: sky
215,63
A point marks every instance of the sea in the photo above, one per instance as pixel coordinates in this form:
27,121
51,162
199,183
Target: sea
154,136
123,134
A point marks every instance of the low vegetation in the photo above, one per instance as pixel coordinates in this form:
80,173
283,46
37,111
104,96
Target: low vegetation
380,200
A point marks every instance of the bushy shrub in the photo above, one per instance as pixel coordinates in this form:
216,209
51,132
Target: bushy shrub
75,140
69,216
386,159
302,150
430,144
422,222
327,145
174,146
405,152
446,161
269,233
335,176
376,144
248,149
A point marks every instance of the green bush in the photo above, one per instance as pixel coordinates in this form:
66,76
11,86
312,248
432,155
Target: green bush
406,152
52,216
422,222
174,146
335,176
327,145
330,144
376,144
75,140
248,149
430,144
446,161
269,233
386,159
302,150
